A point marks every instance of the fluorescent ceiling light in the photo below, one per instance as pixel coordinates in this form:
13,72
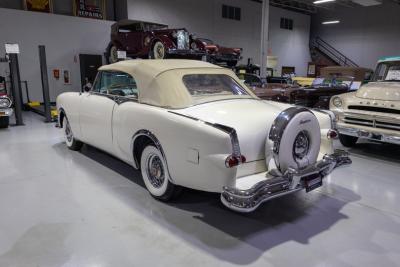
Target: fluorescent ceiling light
323,1
331,22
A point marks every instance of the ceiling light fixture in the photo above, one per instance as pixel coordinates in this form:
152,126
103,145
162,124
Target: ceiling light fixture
331,22
323,1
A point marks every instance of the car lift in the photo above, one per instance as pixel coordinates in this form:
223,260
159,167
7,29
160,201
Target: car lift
45,108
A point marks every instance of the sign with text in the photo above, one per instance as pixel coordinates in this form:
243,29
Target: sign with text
12,48
39,5
95,9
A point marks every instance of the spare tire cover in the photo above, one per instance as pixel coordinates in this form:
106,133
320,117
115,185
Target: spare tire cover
296,137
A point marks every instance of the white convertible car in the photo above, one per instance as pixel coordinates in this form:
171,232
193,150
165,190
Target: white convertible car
192,124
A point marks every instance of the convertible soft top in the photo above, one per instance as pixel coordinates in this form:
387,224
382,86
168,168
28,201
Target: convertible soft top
159,81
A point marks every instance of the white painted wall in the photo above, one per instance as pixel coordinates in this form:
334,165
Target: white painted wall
65,38
291,47
365,33
204,19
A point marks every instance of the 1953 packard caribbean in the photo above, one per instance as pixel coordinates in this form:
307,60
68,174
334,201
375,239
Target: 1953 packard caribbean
373,112
192,124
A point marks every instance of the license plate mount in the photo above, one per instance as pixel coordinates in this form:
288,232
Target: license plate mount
313,182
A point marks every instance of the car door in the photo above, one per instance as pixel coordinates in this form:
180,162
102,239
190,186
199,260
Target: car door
95,113
135,40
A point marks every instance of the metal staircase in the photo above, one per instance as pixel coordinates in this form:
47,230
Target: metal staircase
317,45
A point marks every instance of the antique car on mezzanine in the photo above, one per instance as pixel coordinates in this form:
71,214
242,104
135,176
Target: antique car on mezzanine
373,112
5,105
140,39
188,123
219,54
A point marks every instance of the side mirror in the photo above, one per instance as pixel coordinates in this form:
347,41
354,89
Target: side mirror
86,88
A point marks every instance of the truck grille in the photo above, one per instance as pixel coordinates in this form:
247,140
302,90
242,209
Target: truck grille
374,123
182,40
375,109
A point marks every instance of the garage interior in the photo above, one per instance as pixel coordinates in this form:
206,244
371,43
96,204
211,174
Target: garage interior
64,208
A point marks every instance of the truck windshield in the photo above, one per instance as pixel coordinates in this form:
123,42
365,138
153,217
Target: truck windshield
387,71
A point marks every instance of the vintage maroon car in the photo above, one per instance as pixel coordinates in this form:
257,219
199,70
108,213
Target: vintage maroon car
140,39
219,54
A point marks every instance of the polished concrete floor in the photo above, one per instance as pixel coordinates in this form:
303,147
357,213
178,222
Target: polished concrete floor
64,208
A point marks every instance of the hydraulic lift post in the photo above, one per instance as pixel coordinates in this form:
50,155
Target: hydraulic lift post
16,88
45,83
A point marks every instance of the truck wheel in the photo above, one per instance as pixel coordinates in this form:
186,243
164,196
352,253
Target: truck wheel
4,122
155,174
70,140
158,51
112,54
347,140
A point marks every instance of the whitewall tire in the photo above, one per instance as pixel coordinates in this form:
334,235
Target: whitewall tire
300,143
112,54
71,142
158,51
155,174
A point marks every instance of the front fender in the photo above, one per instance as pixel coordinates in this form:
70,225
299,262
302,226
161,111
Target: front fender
165,40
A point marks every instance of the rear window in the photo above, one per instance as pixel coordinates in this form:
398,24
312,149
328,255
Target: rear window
212,85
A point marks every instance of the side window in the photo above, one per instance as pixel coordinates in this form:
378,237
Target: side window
118,83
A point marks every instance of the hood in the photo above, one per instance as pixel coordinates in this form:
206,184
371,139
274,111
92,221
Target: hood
252,119
389,91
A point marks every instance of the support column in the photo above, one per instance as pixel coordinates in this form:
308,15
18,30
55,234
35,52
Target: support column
264,38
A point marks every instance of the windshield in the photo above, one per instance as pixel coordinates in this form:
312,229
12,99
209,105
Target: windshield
249,79
387,71
213,85
332,82
153,27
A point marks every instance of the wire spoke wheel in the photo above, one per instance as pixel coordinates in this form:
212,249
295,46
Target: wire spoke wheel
155,170
68,133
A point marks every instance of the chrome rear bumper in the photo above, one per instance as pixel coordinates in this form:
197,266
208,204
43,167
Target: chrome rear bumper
372,135
278,185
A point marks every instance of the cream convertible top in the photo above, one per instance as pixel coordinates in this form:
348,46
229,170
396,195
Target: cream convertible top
160,82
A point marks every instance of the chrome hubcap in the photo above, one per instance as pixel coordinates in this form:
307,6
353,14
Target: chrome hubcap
155,170
301,145
68,132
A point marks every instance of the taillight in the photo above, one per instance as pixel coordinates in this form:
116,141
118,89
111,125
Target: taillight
232,161
332,134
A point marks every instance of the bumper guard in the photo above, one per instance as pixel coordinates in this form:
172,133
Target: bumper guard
277,184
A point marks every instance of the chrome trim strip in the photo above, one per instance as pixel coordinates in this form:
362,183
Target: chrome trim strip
229,130
277,185
331,114
371,135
